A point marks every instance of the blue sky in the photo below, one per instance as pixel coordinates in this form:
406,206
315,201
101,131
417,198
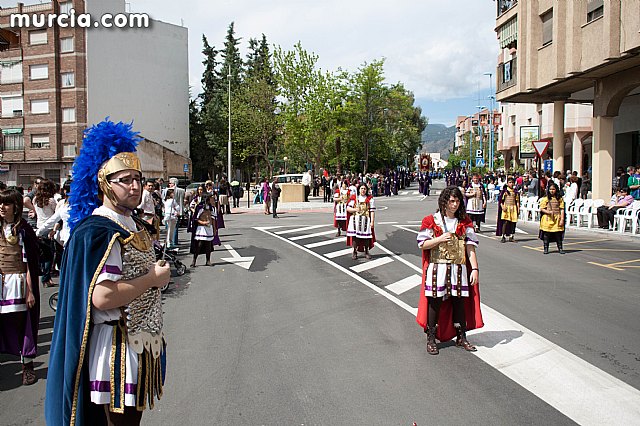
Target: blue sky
438,49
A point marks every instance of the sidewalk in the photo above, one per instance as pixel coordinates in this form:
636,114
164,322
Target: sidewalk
315,204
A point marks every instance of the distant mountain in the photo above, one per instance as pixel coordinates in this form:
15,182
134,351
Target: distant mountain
438,138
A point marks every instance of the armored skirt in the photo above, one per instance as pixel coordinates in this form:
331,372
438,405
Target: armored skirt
360,225
447,279
124,367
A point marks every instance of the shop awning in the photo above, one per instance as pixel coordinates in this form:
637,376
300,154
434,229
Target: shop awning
508,33
12,131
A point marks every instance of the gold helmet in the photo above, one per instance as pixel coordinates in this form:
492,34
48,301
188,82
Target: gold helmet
117,163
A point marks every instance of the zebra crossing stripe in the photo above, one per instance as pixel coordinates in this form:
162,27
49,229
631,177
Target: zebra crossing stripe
371,264
317,234
405,284
339,253
293,231
326,242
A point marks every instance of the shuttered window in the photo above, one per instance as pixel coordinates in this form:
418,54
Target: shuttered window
547,27
38,72
68,115
10,72
38,37
69,150
40,106
11,106
68,79
66,44
40,141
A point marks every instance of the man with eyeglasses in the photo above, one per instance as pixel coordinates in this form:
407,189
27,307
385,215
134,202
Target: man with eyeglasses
107,359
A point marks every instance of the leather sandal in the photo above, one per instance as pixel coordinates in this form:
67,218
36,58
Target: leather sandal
28,374
354,256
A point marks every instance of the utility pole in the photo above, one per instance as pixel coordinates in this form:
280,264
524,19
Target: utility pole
491,121
229,142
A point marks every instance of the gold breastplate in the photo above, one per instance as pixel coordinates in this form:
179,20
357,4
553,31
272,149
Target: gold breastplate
362,209
11,256
510,199
452,251
144,313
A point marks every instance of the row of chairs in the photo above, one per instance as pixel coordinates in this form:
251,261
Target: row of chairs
583,214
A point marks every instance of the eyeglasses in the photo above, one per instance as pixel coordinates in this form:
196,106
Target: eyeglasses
126,180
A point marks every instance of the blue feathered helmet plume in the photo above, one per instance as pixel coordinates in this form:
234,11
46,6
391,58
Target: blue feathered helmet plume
101,142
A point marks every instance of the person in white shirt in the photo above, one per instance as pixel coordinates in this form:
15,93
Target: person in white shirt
178,195
147,205
170,216
306,181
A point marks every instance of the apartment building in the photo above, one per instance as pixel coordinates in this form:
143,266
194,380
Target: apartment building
477,129
55,81
557,53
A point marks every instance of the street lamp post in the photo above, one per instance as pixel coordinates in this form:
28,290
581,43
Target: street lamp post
285,164
229,142
491,98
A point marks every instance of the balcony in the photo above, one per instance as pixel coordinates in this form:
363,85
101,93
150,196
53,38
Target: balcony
507,74
504,5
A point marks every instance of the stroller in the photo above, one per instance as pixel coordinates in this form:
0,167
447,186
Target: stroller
170,255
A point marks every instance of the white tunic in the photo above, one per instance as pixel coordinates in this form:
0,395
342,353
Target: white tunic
13,297
441,268
101,337
205,233
360,225
341,208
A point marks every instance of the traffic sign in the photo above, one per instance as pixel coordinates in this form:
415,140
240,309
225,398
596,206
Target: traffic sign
548,165
185,168
540,147
479,153
479,162
463,163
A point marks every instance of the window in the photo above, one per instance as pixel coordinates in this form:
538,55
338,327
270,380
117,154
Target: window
38,72
595,9
40,106
11,106
547,27
65,7
13,142
68,79
68,115
66,45
38,37
69,150
40,141
10,72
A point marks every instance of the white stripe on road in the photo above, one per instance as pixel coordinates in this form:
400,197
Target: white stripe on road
371,264
317,234
574,387
405,284
577,389
387,223
327,242
293,231
339,253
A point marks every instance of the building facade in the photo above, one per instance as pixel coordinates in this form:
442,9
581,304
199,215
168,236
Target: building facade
576,52
55,81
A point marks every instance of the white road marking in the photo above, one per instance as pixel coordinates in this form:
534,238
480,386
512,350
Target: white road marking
405,284
577,389
327,242
317,234
566,382
371,264
339,253
306,228
387,223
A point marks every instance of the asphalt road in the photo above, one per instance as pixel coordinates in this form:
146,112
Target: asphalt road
301,338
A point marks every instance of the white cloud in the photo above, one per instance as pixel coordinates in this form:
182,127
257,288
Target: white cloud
438,49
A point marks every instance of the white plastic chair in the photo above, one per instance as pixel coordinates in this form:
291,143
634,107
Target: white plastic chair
628,214
535,209
573,209
593,218
583,214
525,208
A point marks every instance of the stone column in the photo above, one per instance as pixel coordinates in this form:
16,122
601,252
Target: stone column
603,145
558,136
576,154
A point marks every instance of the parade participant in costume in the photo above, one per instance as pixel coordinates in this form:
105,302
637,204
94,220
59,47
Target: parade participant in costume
450,300
552,220
20,296
204,230
340,198
108,350
508,211
361,210
476,197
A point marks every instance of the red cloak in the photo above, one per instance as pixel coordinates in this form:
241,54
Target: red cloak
371,240
472,313
343,225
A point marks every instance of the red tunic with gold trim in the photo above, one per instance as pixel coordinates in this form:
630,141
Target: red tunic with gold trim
473,315
360,226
